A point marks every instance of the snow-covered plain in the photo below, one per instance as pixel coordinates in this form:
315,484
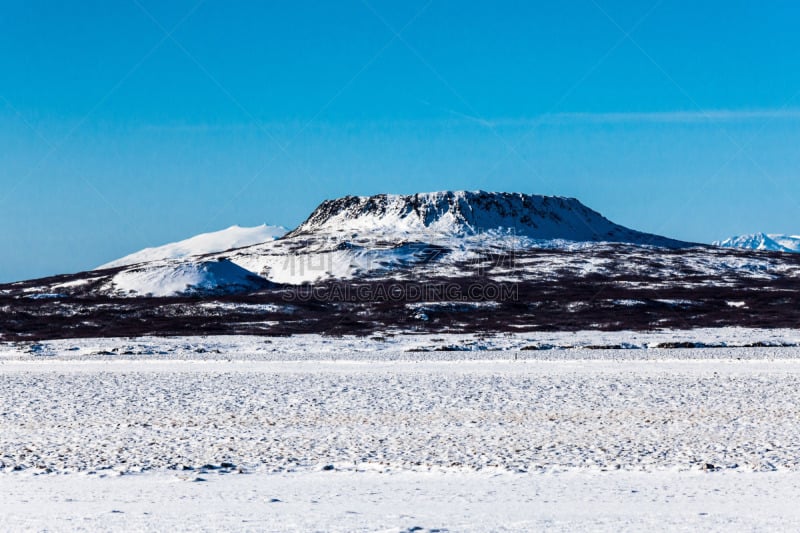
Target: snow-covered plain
316,433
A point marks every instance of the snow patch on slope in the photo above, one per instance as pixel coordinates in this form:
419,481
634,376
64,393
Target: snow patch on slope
205,243
187,278
287,261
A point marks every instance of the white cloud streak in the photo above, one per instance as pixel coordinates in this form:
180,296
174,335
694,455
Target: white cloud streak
656,117
715,116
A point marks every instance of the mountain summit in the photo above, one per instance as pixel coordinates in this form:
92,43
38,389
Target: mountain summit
471,212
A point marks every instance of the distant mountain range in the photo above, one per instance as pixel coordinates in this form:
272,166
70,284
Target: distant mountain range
443,261
774,242
387,235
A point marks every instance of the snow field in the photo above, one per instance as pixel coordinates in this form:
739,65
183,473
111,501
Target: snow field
404,501
107,417
360,434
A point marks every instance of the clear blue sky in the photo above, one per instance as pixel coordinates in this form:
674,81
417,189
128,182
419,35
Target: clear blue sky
126,124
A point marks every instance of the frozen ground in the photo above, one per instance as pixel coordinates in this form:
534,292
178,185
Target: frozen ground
207,432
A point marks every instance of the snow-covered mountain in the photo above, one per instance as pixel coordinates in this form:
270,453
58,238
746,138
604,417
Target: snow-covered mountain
390,237
459,213
447,261
205,243
774,242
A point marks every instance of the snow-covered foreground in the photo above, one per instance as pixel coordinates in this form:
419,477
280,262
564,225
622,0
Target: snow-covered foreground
189,435
403,501
503,415
634,345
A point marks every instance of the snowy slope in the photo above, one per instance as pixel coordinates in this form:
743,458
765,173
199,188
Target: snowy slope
775,242
205,243
790,242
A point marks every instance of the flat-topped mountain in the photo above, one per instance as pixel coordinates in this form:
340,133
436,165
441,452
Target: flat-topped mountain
471,212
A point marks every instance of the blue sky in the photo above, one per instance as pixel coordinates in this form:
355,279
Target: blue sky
134,123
